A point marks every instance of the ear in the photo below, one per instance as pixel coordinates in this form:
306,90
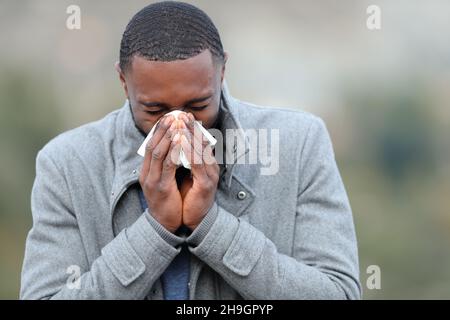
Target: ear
222,73
121,77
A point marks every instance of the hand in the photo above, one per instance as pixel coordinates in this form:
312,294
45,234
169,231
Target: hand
198,191
157,177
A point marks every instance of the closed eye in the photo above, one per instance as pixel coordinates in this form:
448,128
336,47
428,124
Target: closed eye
197,108
155,113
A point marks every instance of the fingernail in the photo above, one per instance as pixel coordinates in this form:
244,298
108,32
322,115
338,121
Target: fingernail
176,137
168,120
183,117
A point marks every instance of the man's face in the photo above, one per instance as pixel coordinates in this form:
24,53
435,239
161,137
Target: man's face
155,88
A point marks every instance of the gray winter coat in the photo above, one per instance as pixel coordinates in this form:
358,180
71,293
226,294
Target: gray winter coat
288,235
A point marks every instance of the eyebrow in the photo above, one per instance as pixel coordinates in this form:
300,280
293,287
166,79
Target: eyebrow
165,105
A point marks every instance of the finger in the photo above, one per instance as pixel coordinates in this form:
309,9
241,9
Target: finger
189,121
211,166
160,153
202,147
162,126
171,161
145,165
197,166
195,150
198,140
187,118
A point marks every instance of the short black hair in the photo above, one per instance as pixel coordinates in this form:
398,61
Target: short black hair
168,31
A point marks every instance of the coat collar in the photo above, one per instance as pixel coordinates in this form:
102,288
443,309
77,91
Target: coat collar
128,138
230,120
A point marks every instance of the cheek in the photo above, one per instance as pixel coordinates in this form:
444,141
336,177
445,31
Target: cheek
144,121
207,118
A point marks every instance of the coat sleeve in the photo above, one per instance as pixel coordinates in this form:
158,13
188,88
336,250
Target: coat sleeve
55,264
324,263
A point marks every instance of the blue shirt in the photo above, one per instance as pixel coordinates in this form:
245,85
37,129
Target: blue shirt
175,278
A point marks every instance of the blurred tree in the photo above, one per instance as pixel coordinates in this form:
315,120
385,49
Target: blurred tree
395,129
29,118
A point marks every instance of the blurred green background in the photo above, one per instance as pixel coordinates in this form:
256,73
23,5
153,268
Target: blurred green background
383,94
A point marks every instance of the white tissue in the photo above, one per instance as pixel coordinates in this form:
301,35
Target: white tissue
184,161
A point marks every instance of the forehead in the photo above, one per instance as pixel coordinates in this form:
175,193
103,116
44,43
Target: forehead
157,80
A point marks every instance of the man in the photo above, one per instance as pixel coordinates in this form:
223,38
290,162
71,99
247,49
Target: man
109,224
